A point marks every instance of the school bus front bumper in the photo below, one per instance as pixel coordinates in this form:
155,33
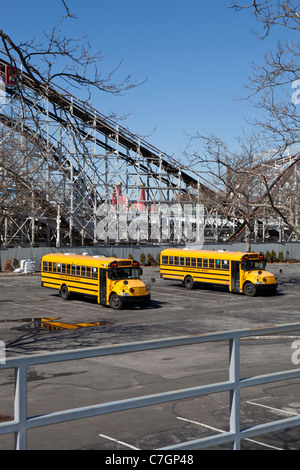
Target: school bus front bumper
261,286
127,297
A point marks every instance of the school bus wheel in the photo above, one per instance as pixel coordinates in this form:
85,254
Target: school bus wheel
64,292
249,289
115,302
188,282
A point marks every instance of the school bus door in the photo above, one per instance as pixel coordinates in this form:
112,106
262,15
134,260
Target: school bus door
235,276
103,290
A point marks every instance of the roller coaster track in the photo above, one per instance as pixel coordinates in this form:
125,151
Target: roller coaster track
70,157
107,127
89,126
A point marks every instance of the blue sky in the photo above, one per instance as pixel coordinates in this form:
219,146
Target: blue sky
195,57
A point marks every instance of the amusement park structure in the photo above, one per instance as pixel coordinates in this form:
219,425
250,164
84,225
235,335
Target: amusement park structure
71,176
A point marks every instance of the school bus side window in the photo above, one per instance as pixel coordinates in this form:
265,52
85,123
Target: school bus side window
188,261
199,262
225,264
63,269
181,261
176,260
59,267
88,271
193,261
205,263
218,264
77,270
95,273
211,263
45,266
171,259
164,260
50,266
68,269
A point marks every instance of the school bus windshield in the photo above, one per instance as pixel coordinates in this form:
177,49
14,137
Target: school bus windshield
123,273
249,265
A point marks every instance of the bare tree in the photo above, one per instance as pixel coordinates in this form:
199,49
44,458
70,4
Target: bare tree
57,68
274,86
247,178
62,60
248,185
271,13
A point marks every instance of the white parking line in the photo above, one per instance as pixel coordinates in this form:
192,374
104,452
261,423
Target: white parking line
119,442
200,424
62,302
221,431
30,306
272,409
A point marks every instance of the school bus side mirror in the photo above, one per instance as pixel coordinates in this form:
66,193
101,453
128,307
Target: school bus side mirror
152,279
141,272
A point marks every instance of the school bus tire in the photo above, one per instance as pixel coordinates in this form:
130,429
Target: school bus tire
115,302
64,292
249,289
188,282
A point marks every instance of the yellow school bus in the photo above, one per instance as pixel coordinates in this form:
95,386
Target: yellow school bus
112,281
240,272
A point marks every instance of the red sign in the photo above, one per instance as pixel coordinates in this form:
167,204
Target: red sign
10,74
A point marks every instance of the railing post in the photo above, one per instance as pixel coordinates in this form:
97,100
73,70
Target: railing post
234,376
233,384
20,407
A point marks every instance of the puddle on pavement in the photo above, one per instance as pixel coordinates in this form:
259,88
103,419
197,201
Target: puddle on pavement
54,323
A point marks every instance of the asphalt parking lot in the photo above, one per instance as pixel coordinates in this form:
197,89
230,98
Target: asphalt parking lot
174,312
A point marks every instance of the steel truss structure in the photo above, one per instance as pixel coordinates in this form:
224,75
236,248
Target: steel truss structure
281,174
71,176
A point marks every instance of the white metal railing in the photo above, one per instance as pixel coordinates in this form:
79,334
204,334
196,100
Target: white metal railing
233,385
